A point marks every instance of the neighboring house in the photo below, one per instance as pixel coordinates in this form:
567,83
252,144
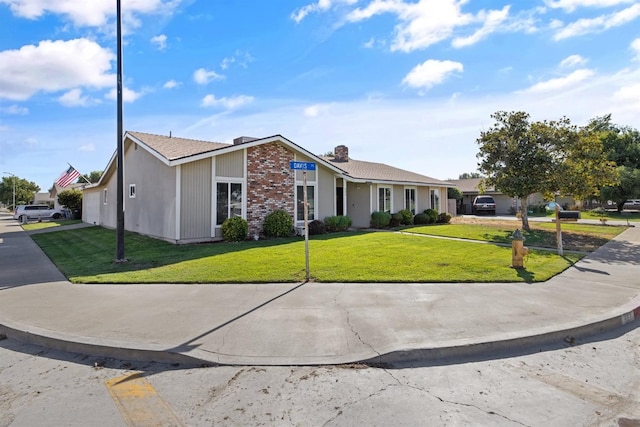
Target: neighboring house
504,204
56,189
43,199
182,190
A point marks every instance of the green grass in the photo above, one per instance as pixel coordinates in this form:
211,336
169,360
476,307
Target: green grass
86,256
49,224
582,237
612,215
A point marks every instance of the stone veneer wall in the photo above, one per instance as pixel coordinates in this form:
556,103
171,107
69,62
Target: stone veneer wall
270,183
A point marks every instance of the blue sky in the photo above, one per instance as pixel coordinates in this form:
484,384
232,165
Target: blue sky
410,83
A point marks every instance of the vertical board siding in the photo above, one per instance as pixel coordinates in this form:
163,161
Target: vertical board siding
230,165
195,203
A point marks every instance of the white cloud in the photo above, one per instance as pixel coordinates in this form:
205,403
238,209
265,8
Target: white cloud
83,13
635,46
74,98
171,84
571,5
239,57
319,6
315,110
54,66
430,73
203,76
560,83
227,103
15,110
128,95
491,22
160,41
598,24
88,147
572,61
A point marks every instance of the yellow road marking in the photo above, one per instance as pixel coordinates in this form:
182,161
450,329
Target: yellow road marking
139,403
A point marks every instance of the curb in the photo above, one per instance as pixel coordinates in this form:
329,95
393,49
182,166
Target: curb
508,347
435,356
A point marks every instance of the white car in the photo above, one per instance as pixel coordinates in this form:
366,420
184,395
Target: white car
37,212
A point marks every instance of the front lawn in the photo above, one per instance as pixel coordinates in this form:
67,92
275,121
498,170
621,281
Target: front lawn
86,256
32,226
579,237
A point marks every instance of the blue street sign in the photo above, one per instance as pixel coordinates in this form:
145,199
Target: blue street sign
304,166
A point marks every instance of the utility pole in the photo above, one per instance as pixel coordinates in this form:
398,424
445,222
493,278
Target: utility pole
120,161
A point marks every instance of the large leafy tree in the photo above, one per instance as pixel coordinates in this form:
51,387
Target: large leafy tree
71,199
25,190
93,176
622,145
521,158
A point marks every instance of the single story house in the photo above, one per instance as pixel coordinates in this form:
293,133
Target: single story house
181,190
504,204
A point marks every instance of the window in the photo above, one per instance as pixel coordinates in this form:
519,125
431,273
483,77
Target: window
410,200
132,191
384,199
228,201
104,196
310,200
435,200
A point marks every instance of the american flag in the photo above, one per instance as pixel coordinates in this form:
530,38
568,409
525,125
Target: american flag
67,177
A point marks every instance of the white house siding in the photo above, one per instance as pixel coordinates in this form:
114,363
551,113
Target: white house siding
195,200
91,206
359,204
230,165
325,194
424,200
152,210
108,207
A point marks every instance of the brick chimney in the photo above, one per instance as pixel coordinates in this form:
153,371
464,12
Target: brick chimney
243,139
341,153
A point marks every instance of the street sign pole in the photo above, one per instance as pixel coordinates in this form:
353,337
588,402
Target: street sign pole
306,221
304,167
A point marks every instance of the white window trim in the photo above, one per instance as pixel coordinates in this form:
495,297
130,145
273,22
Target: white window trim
225,180
132,191
315,201
390,188
105,193
415,201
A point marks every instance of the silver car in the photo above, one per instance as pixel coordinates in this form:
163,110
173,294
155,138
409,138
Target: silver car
36,212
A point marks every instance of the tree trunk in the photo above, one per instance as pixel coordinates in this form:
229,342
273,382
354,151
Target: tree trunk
620,206
525,213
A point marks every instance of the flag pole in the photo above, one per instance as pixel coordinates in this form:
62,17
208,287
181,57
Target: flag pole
81,175
120,163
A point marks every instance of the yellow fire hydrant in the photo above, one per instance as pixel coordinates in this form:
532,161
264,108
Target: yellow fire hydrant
518,250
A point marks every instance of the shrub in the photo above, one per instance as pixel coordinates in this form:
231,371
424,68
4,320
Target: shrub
380,219
337,223
316,227
278,224
443,218
421,219
235,229
433,215
407,217
396,219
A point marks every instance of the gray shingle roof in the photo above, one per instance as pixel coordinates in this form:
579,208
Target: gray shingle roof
359,169
173,148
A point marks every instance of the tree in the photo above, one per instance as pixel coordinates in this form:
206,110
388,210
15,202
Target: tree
520,158
454,193
469,175
514,159
94,176
71,199
622,145
25,190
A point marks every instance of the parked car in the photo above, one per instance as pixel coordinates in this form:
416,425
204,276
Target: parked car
484,204
37,212
632,204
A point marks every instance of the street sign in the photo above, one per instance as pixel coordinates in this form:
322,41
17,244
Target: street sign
303,166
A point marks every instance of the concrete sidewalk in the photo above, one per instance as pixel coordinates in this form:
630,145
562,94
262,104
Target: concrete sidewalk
313,323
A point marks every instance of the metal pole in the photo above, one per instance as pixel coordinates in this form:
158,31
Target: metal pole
306,221
559,231
120,163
